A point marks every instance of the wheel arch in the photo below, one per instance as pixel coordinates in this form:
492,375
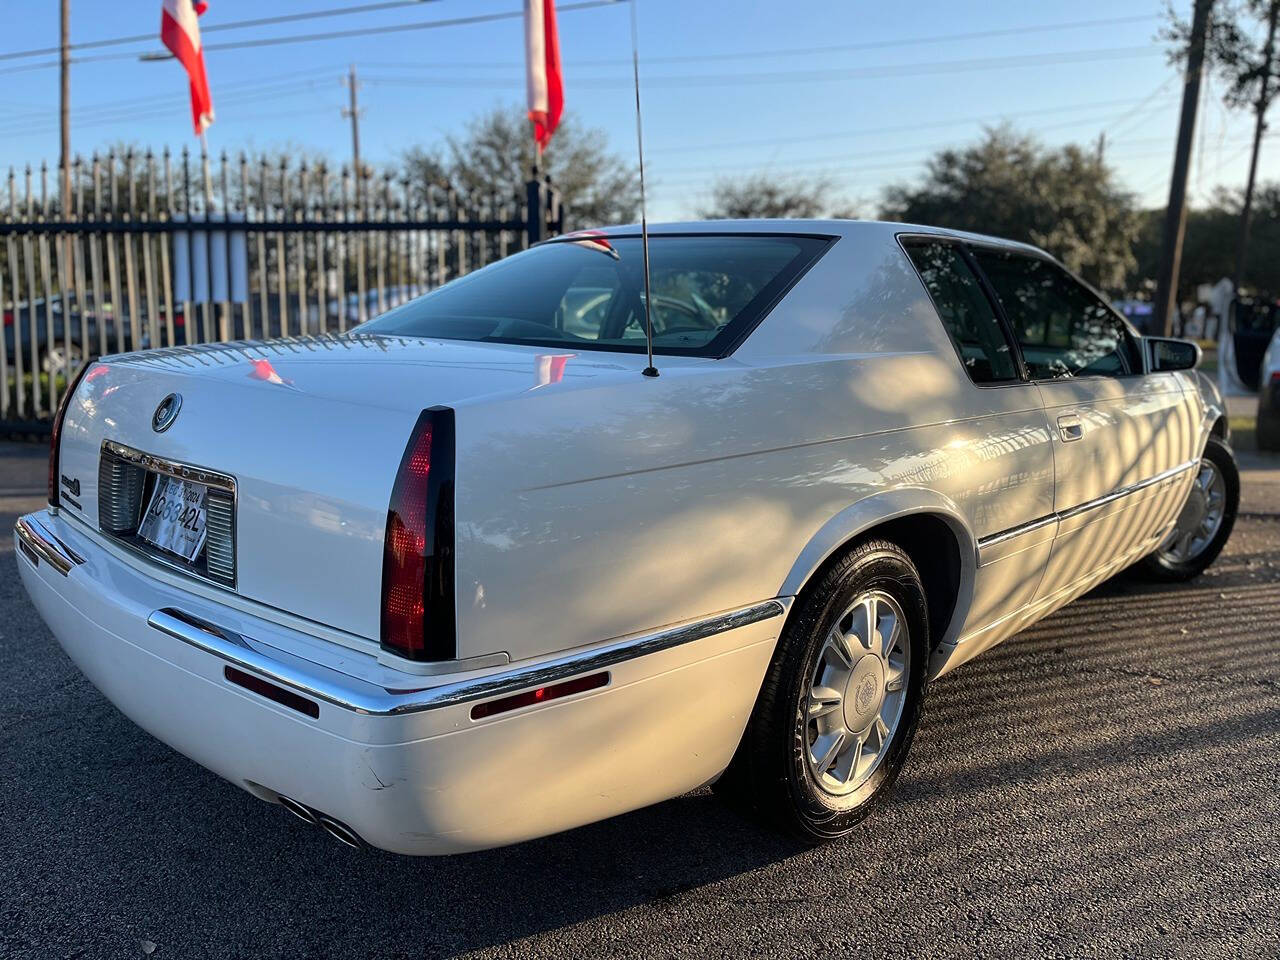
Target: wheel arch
917,520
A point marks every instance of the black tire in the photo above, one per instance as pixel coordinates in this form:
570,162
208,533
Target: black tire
770,774
1160,565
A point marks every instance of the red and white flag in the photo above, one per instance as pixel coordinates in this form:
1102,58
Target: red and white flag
180,33
544,82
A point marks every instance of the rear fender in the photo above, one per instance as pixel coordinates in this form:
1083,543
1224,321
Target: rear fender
861,519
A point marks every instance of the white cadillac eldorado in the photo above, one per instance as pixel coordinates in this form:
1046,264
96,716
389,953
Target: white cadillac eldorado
469,575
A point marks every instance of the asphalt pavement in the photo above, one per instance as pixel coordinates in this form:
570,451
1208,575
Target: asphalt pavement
1104,784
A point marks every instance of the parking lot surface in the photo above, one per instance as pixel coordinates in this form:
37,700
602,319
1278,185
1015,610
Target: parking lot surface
1106,783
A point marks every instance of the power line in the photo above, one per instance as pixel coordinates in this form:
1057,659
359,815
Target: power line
399,27
310,37
695,58
800,51
128,106
924,68
259,83
214,27
161,107
890,151
850,170
897,128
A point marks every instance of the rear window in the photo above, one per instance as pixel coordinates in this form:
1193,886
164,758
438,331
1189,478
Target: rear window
709,291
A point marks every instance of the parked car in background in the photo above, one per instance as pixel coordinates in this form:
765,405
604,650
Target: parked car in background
64,341
1138,313
1269,396
1253,324
469,576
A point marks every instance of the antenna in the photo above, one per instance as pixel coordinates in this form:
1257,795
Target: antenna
650,370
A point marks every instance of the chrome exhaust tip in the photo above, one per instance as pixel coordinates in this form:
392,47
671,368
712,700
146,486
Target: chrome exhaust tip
340,832
301,811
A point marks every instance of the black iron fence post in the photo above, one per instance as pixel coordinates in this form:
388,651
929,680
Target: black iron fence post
173,262
535,216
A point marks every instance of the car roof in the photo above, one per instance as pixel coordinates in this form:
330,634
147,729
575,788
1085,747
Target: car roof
861,228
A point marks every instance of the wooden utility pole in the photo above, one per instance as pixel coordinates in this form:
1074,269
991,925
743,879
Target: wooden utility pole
1259,128
353,111
1175,215
64,163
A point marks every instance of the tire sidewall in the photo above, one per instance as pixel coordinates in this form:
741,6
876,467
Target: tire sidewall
821,814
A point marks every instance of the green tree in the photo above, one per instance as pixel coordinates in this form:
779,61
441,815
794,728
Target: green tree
1065,200
1209,251
493,157
764,195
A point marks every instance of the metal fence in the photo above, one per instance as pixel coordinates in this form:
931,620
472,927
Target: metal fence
158,251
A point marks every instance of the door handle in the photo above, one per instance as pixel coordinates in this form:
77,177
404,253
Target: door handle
1069,427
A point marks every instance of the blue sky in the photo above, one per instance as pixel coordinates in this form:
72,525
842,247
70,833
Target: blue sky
859,92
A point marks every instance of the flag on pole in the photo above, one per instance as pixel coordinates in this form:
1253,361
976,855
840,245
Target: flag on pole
180,33
544,82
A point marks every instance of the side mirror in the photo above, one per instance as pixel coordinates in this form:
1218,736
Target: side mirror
1165,354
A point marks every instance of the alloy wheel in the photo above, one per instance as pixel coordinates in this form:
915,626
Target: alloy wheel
1201,516
856,693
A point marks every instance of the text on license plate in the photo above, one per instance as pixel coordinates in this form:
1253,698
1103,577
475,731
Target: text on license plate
175,518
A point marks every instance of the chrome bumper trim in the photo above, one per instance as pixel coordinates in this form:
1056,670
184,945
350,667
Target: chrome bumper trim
359,696
41,541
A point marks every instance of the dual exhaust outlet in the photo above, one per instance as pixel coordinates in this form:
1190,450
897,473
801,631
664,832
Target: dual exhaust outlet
335,828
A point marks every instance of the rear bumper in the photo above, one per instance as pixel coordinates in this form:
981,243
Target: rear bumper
398,757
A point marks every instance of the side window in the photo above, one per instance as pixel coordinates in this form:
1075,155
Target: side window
1062,328
965,311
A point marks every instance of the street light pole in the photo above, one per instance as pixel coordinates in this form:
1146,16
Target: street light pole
1175,215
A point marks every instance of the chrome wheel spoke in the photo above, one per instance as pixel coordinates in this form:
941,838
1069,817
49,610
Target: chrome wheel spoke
890,633
838,644
824,700
1201,516
895,679
882,730
831,750
855,699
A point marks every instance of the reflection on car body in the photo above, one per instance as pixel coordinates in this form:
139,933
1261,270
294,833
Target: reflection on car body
469,578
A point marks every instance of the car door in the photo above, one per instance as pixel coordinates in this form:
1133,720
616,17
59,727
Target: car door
1121,436
1005,438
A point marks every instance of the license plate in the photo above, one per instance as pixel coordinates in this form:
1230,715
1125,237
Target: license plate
175,518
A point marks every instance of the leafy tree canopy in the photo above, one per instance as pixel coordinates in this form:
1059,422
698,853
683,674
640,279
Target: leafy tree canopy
1065,200
1209,250
1235,48
493,156
763,195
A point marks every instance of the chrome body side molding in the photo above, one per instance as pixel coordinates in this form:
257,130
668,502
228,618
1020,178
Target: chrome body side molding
1002,536
45,545
360,696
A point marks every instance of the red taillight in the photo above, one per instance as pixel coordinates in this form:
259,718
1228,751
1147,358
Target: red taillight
8,318
1275,376
55,435
417,554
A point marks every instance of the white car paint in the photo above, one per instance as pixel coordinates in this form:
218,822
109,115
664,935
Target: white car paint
1268,431
599,509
